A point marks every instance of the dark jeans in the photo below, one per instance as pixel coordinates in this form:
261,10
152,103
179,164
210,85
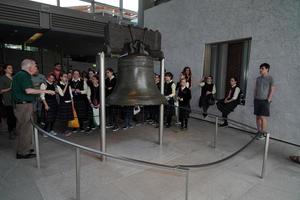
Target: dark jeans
169,111
128,114
183,116
10,118
112,112
203,102
226,108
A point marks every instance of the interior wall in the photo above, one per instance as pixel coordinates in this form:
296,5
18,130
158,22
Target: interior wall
44,59
47,58
187,25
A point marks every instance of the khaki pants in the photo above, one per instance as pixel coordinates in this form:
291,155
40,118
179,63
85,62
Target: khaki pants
23,113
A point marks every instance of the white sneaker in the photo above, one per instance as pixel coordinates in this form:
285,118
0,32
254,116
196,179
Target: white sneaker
53,133
116,129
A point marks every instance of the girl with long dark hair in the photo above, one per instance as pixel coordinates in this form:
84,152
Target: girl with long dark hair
187,72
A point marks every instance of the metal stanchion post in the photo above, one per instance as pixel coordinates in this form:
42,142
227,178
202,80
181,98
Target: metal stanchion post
77,174
37,148
216,133
143,115
267,140
161,110
187,185
101,58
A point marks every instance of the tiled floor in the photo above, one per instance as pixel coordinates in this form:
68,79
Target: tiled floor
235,179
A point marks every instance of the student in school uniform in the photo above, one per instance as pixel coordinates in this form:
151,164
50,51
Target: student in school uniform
94,100
231,101
65,110
50,105
184,96
169,92
79,91
112,110
208,89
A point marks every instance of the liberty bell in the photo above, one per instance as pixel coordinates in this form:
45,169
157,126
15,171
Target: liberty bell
135,81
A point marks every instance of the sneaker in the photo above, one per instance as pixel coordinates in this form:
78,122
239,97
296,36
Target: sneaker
67,133
260,136
94,127
115,129
154,124
224,124
45,136
109,126
82,130
150,121
138,124
74,130
87,130
130,126
53,133
125,127
27,156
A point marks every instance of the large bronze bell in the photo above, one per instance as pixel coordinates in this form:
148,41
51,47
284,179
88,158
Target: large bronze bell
135,83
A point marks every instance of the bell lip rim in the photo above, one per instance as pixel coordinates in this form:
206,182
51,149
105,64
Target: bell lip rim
109,104
136,55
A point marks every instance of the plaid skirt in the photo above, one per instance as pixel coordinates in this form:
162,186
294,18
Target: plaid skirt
65,111
81,109
51,114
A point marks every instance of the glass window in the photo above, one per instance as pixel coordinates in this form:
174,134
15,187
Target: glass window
109,2
131,5
76,5
224,60
13,46
130,11
50,2
29,48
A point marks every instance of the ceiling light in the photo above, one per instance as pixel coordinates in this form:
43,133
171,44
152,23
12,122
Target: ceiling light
34,38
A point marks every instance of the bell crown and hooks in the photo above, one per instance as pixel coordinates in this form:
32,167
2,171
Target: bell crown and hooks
135,81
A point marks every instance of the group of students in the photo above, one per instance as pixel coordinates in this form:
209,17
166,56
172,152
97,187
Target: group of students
77,96
179,96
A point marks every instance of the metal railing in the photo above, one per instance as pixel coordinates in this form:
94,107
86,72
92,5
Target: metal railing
180,168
